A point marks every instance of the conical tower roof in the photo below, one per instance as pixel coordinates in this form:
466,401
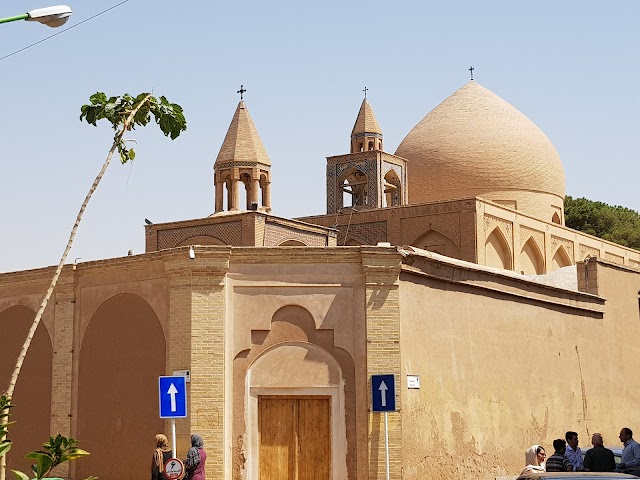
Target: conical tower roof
242,142
366,121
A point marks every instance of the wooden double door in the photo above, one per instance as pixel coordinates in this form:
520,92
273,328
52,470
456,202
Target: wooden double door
295,438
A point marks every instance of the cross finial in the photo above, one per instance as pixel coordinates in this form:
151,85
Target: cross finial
241,92
471,69
365,92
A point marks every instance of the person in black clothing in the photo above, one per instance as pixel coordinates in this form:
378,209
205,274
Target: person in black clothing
558,462
599,458
161,455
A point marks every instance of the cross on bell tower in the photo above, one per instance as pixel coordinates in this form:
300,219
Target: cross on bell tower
471,69
242,91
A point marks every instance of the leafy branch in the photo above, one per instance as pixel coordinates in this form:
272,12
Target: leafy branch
124,113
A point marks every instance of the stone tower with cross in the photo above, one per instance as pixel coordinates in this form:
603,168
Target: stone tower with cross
367,177
242,162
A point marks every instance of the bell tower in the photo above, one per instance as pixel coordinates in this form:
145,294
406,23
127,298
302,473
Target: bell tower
367,177
242,161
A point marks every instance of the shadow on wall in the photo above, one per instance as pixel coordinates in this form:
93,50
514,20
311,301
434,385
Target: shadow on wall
32,395
122,354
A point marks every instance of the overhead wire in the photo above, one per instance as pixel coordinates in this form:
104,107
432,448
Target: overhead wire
62,31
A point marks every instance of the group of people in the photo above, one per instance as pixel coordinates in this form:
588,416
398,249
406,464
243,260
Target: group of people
567,456
193,464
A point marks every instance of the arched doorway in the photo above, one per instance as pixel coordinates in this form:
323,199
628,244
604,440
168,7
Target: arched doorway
122,354
32,396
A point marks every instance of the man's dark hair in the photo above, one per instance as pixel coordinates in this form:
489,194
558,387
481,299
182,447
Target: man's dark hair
569,435
627,431
559,445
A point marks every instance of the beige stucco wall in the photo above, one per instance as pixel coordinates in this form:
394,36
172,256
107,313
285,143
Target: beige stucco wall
501,371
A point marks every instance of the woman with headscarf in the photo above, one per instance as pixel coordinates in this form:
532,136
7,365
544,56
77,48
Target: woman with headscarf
534,457
196,456
161,454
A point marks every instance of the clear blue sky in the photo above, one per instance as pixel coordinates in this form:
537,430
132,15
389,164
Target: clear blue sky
570,66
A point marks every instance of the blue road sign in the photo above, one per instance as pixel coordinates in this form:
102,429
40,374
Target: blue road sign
383,393
173,397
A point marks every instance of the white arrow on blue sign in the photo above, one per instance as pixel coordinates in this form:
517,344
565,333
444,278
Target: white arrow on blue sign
173,397
383,393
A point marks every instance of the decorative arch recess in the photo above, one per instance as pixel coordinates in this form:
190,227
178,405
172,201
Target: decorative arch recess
294,359
292,243
531,259
201,240
32,396
560,259
122,354
497,251
437,242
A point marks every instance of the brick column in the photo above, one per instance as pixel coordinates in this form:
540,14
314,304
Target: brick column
197,322
219,191
62,363
381,268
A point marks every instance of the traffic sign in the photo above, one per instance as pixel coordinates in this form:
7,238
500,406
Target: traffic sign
173,397
173,468
383,393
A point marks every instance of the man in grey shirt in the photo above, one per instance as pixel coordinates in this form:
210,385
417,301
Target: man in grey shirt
630,453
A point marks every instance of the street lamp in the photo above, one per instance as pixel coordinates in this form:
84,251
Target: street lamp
51,16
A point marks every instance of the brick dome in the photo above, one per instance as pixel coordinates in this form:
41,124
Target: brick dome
476,144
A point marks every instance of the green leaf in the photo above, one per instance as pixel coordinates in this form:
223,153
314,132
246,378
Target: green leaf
132,154
73,454
4,448
20,475
43,466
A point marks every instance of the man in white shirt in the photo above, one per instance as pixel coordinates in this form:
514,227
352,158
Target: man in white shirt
630,452
573,453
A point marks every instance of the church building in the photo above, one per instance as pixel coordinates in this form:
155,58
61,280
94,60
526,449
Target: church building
446,265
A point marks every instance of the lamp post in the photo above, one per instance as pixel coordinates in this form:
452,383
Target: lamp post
50,16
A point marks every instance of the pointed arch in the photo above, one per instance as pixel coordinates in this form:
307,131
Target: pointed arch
202,240
556,218
560,259
124,347
531,259
437,242
497,251
32,395
353,184
392,189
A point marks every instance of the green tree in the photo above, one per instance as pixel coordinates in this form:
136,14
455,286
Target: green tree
614,223
124,114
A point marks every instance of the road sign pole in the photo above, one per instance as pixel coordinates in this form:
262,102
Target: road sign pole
173,440
386,442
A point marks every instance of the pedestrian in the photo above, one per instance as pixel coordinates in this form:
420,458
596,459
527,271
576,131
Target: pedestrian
534,458
558,462
161,454
630,452
196,457
573,453
599,458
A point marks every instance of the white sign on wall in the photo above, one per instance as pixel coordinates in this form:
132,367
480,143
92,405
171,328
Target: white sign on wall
413,381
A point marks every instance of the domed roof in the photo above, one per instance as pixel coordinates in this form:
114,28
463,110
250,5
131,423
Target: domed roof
475,143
